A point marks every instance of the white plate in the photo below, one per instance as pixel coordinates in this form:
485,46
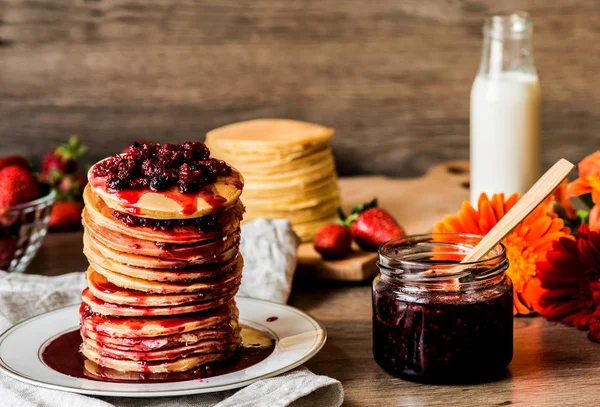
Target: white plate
299,338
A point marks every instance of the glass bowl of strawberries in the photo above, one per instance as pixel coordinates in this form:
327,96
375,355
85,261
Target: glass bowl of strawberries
25,208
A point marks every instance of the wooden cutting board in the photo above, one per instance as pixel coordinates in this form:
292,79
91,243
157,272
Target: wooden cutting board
417,203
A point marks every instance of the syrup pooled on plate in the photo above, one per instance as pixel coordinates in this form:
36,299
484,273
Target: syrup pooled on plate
62,354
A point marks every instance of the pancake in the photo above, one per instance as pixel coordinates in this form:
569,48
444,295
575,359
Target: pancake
282,183
152,268
151,327
101,214
106,308
183,351
330,183
323,210
262,135
269,167
171,366
164,287
293,203
316,171
171,204
262,155
196,253
96,372
103,289
160,342
307,230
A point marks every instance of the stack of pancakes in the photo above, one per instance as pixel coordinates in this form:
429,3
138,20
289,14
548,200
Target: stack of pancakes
160,295
288,168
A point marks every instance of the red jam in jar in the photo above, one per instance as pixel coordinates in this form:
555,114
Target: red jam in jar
439,322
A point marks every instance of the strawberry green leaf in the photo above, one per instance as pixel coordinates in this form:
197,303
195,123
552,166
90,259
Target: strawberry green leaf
71,150
363,207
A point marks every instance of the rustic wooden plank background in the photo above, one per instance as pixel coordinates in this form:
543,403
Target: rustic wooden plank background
393,77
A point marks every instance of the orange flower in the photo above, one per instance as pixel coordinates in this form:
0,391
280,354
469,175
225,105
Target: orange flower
589,178
560,198
525,246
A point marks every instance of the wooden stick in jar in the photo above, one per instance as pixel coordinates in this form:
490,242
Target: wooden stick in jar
528,202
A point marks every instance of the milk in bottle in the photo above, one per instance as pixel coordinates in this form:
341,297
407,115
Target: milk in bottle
505,110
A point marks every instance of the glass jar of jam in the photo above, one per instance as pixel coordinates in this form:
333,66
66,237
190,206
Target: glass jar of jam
437,321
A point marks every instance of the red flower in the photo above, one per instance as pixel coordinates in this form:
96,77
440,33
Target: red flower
569,290
594,334
594,219
588,244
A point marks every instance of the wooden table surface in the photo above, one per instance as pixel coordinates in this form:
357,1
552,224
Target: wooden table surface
552,366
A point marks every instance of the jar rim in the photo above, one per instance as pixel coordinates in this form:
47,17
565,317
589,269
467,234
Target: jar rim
398,265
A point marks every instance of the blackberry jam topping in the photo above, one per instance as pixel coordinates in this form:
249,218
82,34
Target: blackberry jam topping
187,166
202,224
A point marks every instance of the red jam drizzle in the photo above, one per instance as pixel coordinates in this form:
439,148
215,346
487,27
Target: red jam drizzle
210,196
97,182
62,355
100,283
234,180
130,198
272,319
172,323
188,202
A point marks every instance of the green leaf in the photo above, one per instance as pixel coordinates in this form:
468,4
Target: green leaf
71,150
363,207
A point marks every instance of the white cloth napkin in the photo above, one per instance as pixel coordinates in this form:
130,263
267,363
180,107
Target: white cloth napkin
270,251
269,248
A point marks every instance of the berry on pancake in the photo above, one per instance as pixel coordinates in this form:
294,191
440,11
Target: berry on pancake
160,167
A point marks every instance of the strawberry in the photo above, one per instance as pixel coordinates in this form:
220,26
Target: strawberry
333,241
372,226
17,186
66,215
63,160
16,160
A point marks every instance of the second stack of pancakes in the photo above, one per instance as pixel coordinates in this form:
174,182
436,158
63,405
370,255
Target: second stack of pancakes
164,261
289,170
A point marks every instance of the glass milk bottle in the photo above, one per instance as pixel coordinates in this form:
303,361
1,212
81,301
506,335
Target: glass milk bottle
505,110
